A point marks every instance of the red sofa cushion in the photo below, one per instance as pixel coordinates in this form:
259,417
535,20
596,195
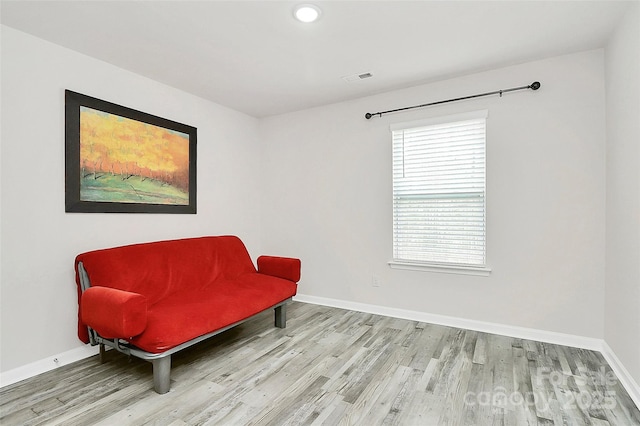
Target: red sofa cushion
114,313
187,315
158,269
282,267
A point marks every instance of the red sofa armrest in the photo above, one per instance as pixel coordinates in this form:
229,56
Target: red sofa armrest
113,313
281,267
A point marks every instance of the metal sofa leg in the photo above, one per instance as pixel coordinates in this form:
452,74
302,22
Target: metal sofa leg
102,353
281,316
162,374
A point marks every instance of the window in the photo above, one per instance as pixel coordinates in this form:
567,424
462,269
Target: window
439,173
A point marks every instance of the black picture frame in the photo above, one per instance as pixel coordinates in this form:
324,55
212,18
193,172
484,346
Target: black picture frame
153,181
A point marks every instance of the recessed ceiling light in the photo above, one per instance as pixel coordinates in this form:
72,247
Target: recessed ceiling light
306,13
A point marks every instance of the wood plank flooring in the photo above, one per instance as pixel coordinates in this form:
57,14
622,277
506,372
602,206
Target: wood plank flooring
335,367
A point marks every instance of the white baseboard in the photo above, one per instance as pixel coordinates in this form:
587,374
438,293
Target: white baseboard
42,366
630,385
486,327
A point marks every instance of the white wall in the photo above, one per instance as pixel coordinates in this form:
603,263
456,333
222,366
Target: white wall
622,309
40,240
330,203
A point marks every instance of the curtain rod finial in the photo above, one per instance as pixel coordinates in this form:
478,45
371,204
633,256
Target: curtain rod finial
535,85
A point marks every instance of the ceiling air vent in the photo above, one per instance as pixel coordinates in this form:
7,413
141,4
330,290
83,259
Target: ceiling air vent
357,77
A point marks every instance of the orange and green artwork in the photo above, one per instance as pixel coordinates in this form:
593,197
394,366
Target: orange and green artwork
128,161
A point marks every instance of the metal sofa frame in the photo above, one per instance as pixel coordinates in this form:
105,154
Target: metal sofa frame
162,361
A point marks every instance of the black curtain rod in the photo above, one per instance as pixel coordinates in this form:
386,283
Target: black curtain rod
533,86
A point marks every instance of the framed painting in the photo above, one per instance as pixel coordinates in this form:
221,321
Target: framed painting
119,160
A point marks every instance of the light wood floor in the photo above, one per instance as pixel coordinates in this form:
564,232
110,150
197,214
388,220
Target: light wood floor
335,367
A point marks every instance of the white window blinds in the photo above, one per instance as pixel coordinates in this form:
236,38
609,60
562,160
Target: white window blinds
439,191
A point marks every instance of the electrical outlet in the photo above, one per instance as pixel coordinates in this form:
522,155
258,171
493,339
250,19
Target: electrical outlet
375,280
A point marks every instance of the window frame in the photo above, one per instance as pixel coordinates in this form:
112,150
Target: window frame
443,267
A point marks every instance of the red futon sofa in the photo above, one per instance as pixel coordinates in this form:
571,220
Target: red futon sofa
151,300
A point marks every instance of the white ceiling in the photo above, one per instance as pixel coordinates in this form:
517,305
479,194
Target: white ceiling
253,56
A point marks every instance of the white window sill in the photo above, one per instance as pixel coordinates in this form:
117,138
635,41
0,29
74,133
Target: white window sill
446,269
